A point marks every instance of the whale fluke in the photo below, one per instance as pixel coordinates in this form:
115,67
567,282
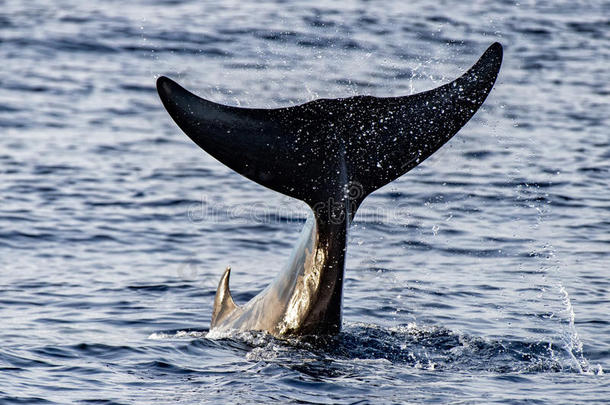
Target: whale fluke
330,153
311,151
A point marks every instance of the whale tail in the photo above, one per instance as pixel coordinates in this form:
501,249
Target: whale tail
317,150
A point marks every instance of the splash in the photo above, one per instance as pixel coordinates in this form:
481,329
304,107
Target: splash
422,347
571,340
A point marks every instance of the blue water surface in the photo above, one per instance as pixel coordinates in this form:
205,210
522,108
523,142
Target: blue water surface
482,276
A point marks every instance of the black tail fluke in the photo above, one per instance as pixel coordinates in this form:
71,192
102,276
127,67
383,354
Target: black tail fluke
315,150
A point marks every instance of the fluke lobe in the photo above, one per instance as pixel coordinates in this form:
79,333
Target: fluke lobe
331,154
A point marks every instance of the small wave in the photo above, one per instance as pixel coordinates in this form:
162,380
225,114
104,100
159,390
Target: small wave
180,334
422,347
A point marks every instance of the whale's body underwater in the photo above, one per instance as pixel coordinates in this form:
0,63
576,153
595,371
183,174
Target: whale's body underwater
331,154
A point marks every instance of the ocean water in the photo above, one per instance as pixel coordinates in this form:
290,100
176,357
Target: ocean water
482,276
